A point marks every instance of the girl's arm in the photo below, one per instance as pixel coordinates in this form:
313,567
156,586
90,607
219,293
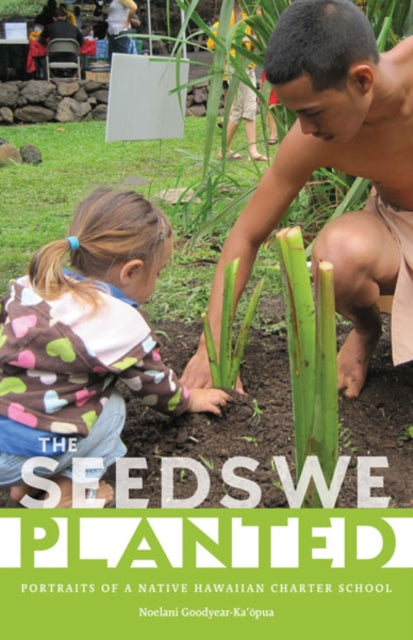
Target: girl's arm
159,387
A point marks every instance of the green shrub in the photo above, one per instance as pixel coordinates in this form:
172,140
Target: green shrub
14,9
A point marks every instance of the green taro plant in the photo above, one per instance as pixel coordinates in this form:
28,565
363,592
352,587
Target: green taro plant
225,364
311,330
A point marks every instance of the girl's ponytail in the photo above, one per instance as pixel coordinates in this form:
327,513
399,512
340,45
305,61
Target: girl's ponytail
46,270
110,227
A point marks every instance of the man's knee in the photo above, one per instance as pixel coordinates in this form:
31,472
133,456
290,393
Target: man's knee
348,252
342,245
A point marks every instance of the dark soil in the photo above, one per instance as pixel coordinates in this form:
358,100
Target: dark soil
260,425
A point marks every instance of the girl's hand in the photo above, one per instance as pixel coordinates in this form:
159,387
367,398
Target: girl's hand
208,400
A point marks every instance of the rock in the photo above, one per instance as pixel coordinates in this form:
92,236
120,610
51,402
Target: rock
92,85
200,95
198,110
181,195
67,88
69,110
100,112
102,95
9,94
9,153
6,115
81,95
52,101
135,181
21,102
34,113
30,154
36,91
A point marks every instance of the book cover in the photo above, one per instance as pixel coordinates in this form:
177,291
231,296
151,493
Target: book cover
209,536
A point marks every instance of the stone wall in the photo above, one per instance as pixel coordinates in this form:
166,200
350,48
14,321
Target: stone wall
68,100
60,100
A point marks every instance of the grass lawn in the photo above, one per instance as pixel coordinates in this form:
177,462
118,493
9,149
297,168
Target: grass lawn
37,202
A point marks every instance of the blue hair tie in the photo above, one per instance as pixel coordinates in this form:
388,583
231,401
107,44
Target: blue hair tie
73,242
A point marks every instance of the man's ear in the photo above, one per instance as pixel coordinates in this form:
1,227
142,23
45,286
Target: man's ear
129,270
361,76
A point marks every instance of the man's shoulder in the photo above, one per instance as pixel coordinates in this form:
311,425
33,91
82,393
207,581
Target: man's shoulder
403,50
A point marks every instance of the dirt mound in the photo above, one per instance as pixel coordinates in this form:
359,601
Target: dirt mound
260,426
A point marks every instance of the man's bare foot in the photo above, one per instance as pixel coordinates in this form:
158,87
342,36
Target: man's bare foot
18,492
353,361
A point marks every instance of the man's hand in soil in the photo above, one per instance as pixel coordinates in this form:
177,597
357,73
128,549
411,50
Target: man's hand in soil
197,374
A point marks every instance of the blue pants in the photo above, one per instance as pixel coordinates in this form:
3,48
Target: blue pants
102,442
119,43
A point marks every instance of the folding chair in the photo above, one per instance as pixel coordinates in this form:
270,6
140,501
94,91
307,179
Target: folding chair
63,47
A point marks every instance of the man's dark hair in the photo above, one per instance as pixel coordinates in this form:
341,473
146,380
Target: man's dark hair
319,38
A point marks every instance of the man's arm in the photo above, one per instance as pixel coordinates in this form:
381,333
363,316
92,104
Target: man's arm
293,166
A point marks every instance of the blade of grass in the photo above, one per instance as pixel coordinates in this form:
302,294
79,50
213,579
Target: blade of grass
243,333
225,353
212,353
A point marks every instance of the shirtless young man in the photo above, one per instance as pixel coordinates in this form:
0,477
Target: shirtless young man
355,113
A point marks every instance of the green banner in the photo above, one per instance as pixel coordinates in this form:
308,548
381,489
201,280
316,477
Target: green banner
320,572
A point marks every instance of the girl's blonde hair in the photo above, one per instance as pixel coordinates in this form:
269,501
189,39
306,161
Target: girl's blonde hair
111,227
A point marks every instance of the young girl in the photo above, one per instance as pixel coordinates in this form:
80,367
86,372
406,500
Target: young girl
66,337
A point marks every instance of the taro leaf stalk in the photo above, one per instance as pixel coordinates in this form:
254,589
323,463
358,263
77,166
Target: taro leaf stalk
313,360
300,319
225,369
324,435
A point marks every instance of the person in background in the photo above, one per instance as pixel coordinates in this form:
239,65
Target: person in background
244,106
98,20
70,16
67,337
119,16
77,12
60,28
47,14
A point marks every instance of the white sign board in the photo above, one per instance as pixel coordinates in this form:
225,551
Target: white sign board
15,31
141,105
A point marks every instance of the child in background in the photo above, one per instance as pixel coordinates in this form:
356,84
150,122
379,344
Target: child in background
244,105
66,337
